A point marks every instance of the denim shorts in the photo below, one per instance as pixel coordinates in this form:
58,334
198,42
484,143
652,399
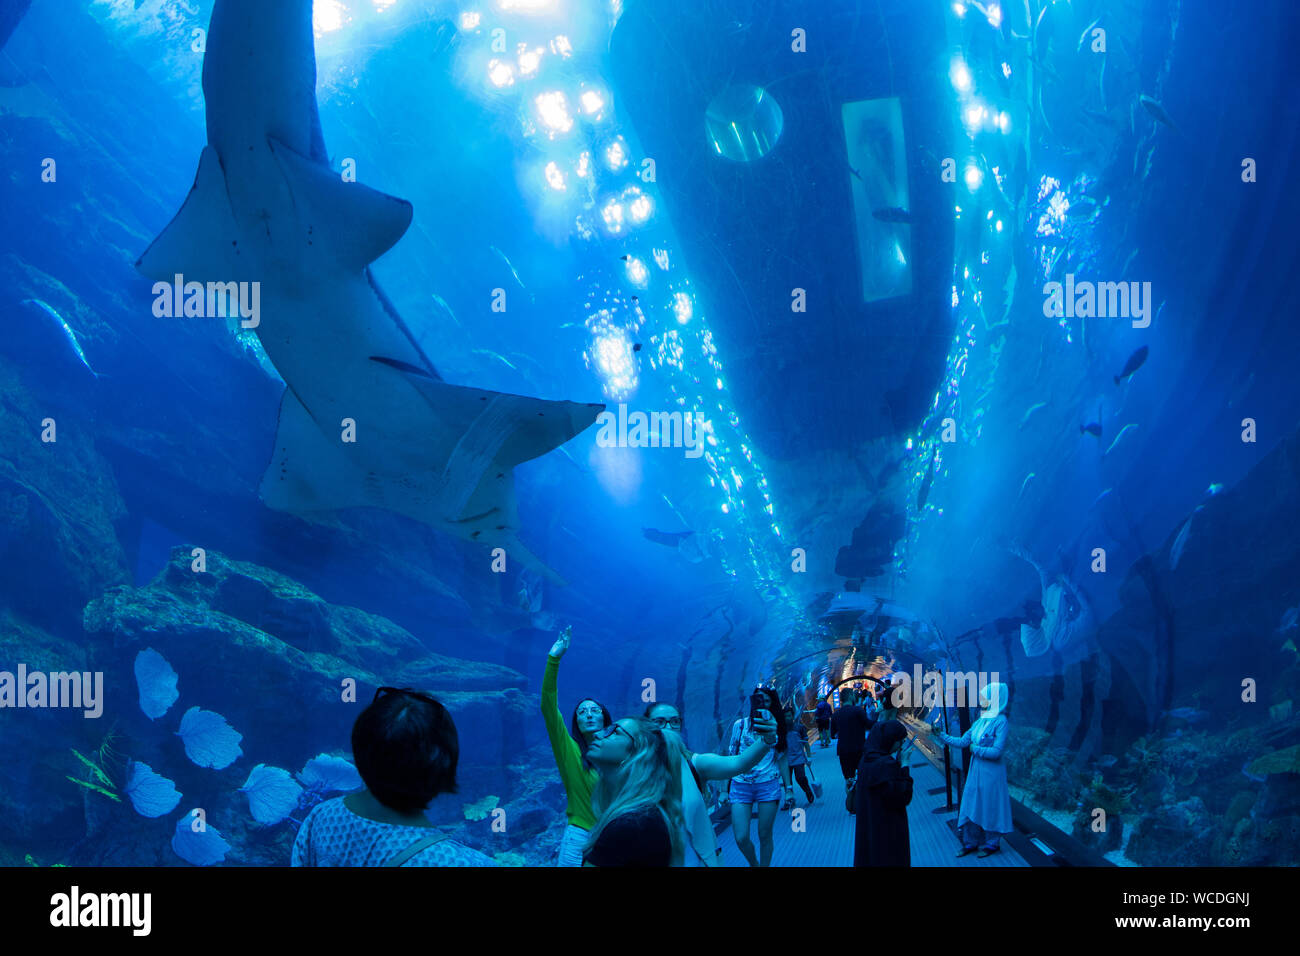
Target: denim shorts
769,791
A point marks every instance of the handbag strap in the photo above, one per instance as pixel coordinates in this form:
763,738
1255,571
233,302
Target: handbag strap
418,846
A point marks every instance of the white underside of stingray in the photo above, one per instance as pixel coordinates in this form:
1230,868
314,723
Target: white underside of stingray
266,208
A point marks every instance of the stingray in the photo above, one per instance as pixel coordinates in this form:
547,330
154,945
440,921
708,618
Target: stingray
265,207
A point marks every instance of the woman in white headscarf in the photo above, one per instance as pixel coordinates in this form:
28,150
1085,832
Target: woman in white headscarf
986,801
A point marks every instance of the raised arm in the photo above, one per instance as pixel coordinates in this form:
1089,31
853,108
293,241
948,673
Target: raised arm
568,757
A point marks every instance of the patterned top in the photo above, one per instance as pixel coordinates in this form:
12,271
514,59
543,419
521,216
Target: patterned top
742,738
332,835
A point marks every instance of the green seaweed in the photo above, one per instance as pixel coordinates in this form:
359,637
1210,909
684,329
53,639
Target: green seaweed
95,768
95,787
1111,799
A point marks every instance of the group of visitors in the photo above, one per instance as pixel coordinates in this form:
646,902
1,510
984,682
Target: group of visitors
879,788
637,795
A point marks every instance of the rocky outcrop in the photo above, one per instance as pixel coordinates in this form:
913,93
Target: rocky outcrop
40,811
58,505
276,661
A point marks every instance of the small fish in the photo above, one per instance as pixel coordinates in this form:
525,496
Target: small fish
1180,542
1189,714
65,330
1044,28
892,214
1086,35
1122,432
1092,428
1107,760
500,358
1289,620
1029,411
1157,111
1101,117
1024,484
1098,500
1214,489
509,265
625,258
670,539
636,346
441,303
1133,364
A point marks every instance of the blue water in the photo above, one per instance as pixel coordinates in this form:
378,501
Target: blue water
851,294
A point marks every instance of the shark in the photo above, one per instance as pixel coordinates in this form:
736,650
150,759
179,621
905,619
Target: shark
365,419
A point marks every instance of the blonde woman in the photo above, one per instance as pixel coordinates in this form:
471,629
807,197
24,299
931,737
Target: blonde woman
637,799
697,770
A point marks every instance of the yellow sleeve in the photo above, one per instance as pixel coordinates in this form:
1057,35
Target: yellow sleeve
578,781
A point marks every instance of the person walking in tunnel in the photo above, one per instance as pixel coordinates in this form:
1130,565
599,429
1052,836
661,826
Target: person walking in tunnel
576,773
763,784
699,768
637,798
881,836
985,802
798,755
849,724
824,712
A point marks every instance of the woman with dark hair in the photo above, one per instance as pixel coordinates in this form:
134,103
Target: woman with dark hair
762,785
637,799
406,749
576,772
884,790
696,770
797,755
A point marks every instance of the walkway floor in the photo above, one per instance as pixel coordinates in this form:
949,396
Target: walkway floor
826,837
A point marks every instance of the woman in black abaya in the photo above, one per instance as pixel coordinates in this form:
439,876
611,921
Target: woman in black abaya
884,791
